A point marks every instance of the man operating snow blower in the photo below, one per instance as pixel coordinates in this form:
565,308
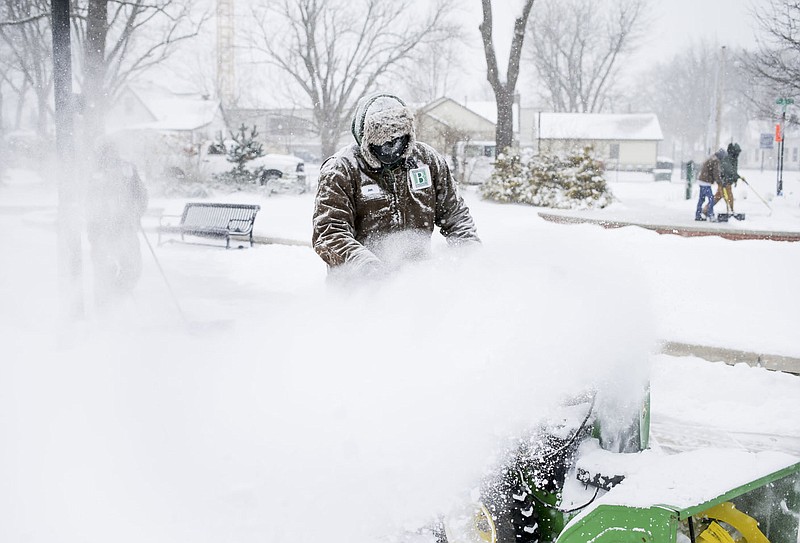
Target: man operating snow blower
379,199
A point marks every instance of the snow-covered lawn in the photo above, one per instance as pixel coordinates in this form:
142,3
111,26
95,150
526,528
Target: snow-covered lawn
313,414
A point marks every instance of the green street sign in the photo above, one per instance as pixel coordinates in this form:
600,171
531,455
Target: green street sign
784,101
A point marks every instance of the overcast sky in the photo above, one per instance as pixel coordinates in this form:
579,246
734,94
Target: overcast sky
673,25
678,22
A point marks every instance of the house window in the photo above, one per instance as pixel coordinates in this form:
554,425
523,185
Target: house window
613,150
794,154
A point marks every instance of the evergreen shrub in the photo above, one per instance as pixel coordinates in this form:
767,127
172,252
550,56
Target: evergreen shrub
244,149
571,181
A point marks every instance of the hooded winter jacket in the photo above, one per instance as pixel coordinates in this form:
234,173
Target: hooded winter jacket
729,165
710,171
368,214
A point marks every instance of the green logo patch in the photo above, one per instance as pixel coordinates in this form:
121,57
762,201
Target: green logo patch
420,178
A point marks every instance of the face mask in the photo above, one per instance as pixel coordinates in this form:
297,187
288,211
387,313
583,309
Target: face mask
390,152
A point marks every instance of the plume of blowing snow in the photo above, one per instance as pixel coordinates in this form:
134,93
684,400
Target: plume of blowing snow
329,415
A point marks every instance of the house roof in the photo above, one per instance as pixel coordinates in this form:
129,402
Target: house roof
600,126
430,109
488,110
176,112
478,111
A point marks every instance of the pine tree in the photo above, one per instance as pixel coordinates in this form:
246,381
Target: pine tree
244,149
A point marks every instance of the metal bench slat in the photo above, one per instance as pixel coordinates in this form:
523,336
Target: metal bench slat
216,220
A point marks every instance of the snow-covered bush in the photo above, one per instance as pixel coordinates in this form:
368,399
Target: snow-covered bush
572,181
244,149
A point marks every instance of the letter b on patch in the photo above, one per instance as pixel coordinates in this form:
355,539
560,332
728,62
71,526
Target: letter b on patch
420,178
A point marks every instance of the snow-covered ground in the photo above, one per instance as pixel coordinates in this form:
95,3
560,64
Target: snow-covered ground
287,410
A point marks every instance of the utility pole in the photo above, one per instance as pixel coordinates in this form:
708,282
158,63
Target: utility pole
69,231
226,76
783,102
720,85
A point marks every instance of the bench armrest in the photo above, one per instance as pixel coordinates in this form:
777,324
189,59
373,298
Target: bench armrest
245,225
163,215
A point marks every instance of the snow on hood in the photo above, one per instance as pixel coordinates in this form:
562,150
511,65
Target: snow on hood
379,118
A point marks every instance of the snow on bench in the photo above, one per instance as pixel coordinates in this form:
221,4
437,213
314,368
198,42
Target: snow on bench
212,220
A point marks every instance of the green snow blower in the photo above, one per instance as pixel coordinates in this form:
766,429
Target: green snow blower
581,481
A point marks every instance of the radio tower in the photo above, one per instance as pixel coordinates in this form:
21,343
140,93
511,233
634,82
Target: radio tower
226,78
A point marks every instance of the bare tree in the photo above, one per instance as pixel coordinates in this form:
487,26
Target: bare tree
433,71
26,34
776,63
576,49
116,39
119,40
335,58
11,79
11,20
504,90
682,91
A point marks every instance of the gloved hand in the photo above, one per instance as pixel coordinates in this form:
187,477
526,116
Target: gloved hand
374,271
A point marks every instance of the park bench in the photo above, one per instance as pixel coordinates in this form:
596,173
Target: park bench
212,220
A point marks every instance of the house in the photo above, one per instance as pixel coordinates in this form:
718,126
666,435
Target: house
623,141
760,150
284,130
190,118
163,132
444,122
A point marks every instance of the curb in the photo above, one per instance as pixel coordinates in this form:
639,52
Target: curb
685,231
786,364
265,240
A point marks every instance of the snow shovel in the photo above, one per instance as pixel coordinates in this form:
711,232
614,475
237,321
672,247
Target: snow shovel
192,327
757,194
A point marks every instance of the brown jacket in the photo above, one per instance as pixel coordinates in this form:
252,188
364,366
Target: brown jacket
710,171
366,216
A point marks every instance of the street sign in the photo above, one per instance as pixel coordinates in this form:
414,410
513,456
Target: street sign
766,141
783,102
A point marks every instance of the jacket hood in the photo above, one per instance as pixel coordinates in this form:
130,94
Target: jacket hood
378,118
734,149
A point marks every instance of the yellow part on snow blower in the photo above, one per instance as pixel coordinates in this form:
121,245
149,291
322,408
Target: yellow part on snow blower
484,525
727,512
715,534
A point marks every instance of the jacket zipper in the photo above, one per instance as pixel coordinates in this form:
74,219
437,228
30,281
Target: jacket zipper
398,215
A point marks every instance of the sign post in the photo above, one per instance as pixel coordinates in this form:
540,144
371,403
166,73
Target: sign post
780,137
765,142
